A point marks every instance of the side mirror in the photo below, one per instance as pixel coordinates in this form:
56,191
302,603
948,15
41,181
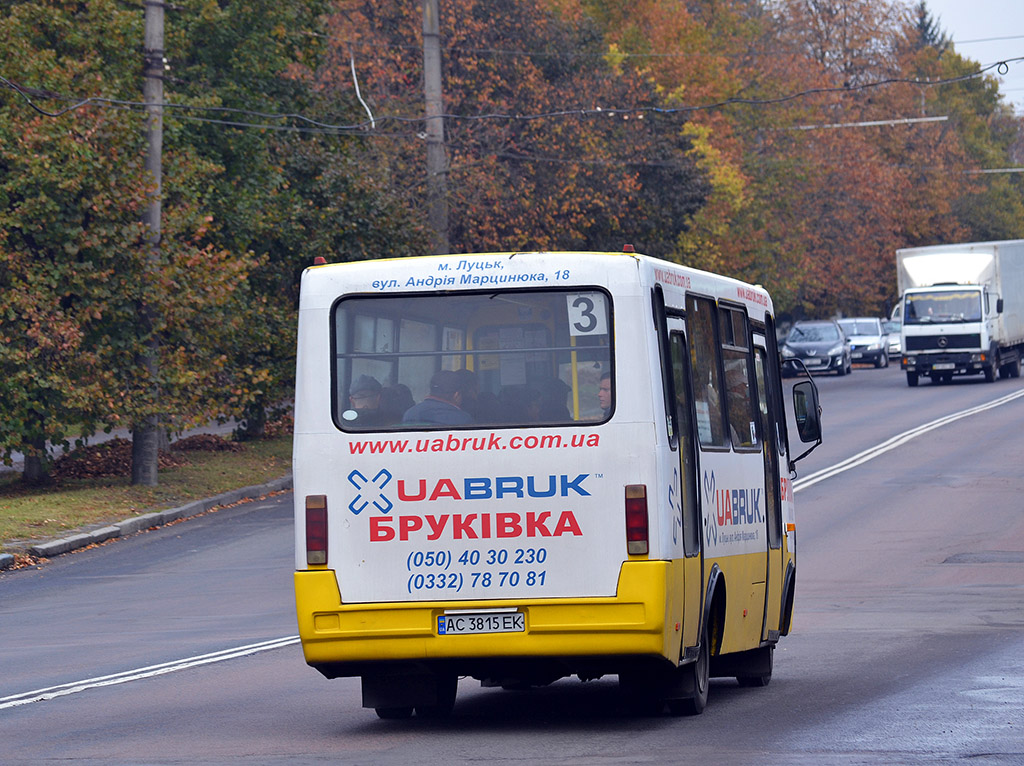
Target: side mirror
999,305
807,411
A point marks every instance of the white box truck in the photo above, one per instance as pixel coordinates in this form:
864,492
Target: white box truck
963,310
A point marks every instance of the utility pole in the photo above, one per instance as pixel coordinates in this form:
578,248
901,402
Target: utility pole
146,433
437,161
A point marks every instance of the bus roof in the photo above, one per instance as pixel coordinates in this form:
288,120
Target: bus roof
526,269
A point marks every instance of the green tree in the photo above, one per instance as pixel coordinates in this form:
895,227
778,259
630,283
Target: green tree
74,270
289,191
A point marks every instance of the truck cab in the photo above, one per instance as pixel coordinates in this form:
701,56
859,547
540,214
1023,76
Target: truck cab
949,329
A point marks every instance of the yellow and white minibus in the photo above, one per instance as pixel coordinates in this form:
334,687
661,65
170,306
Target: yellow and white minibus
519,467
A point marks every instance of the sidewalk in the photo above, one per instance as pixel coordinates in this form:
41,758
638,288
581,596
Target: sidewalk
146,521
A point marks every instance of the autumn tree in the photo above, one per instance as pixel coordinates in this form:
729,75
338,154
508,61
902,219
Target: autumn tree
550,144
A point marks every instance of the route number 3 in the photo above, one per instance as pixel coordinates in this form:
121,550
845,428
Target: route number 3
587,315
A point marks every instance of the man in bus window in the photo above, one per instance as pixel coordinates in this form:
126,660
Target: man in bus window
364,399
553,395
604,394
443,405
469,387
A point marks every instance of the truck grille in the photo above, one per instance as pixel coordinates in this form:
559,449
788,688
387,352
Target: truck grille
934,342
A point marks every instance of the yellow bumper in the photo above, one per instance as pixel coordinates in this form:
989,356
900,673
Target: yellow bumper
641,619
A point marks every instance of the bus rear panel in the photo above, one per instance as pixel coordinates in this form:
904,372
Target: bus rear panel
505,468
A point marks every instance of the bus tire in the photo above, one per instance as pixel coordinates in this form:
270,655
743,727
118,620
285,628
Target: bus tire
700,673
394,713
761,679
447,689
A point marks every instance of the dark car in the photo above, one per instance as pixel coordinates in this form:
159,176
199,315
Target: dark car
821,345
869,342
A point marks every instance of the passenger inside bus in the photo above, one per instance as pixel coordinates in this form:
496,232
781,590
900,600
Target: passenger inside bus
364,400
554,394
518,404
469,387
443,405
394,401
604,394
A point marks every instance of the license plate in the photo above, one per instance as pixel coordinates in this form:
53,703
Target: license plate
857,355
944,366
814,362
480,622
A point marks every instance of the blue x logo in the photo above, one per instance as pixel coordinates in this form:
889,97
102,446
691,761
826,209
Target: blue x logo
374,491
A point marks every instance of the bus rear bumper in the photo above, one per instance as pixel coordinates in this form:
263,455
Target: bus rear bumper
639,625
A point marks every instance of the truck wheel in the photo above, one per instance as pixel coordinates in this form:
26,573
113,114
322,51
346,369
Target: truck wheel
990,374
912,379
1010,369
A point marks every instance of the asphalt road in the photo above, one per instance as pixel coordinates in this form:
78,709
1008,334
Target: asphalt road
176,646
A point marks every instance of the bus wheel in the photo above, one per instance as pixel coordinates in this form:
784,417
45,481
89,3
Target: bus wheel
763,678
447,688
393,713
697,699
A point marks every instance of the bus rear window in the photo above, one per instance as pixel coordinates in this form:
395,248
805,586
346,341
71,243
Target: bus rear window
496,359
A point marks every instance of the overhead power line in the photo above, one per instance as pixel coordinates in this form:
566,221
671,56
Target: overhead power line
993,171
311,125
871,123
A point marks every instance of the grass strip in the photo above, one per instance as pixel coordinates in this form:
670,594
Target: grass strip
34,514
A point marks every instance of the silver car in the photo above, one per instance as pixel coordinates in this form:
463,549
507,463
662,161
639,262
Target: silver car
869,342
893,327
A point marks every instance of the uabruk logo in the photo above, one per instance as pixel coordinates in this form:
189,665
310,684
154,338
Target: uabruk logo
434,525
370,492
729,508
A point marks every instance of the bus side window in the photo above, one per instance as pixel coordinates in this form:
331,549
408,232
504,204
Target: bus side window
707,387
736,356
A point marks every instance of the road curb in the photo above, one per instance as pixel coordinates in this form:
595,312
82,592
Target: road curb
135,524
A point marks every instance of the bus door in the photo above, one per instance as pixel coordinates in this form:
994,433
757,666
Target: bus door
685,442
769,401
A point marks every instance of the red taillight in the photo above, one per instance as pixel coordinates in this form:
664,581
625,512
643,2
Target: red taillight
316,529
636,519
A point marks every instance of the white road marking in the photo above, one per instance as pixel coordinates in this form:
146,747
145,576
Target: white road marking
52,692
898,441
